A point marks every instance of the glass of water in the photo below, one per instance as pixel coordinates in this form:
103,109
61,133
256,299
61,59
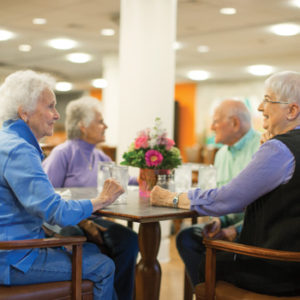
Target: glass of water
120,173
183,178
104,172
207,177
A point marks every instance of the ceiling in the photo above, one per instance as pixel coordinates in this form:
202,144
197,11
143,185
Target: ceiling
235,41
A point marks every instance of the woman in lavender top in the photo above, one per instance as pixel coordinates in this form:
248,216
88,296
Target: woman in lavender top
267,190
74,163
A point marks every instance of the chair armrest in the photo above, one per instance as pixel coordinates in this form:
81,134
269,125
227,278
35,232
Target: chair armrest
252,250
41,243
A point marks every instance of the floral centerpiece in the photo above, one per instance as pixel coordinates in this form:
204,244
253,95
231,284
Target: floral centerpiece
154,153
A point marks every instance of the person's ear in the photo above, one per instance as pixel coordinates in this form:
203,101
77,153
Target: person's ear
22,114
294,111
236,123
82,128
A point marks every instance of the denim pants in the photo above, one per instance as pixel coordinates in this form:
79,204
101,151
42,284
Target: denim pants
192,250
122,244
55,264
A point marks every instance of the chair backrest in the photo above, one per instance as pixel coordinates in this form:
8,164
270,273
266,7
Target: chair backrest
213,245
76,284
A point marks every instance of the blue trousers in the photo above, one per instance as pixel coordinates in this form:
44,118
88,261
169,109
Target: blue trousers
192,250
54,264
122,245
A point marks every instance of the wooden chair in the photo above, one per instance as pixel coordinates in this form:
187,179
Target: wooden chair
63,290
221,290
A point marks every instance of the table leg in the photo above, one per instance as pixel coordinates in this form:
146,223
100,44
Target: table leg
148,272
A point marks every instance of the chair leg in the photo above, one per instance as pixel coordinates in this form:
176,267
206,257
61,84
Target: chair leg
188,288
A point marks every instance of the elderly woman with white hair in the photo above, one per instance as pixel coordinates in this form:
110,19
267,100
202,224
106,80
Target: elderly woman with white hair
74,163
267,189
27,197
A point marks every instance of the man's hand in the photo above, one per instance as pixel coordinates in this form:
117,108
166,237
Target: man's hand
212,228
226,234
110,192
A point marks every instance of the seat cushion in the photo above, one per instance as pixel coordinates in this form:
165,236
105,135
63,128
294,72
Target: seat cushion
227,291
53,290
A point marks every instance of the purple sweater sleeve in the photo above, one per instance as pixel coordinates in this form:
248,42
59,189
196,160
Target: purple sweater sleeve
272,165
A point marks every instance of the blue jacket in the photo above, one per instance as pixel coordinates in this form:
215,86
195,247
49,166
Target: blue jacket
27,198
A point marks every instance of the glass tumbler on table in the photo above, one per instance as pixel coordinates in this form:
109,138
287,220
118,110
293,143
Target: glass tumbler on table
120,173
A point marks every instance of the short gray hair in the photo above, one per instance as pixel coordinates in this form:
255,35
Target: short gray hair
22,88
80,110
285,85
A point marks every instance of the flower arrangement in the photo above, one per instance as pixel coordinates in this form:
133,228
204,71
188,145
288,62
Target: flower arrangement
152,149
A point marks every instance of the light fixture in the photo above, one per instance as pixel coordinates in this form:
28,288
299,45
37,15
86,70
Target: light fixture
39,21
228,11
285,29
79,58
198,75
24,48
203,49
5,35
99,83
62,44
63,86
295,3
260,70
108,32
177,45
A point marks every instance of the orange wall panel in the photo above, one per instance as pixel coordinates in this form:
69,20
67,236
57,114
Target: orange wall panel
185,94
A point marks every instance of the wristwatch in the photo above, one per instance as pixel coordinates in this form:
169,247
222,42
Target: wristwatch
176,200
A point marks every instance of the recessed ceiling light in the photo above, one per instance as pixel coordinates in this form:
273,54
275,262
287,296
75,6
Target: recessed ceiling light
285,29
39,21
5,35
295,3
228,11
24,48
108,32
203,49
79,58
198,75
99,83
177,45
62,44
63,86
260,70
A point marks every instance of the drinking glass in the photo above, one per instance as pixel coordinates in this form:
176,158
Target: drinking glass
104,172
207,177
183,178
120,173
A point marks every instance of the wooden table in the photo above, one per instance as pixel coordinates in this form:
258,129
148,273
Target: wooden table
138,209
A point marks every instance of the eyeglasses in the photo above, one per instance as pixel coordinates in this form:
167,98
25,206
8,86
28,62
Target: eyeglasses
265,100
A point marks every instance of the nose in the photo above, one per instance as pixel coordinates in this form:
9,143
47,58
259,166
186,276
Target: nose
261,106
56,115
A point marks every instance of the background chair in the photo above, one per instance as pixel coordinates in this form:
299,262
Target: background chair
63,290
221,290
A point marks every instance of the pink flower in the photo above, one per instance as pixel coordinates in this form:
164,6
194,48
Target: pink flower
153,158
169,143
141,142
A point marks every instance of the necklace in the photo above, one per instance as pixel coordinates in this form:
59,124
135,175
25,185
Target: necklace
90,166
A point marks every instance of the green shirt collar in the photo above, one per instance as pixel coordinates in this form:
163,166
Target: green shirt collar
240,143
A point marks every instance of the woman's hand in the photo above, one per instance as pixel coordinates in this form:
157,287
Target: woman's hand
161,197
110,192
265,137
212,228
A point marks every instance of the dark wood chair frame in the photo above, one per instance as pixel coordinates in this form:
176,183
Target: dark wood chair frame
213,245
75,242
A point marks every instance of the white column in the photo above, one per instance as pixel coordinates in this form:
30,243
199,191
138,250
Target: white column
111,96
147,63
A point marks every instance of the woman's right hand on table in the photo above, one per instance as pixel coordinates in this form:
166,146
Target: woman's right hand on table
112,189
